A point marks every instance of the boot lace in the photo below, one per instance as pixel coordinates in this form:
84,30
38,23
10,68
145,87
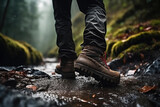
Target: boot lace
104,59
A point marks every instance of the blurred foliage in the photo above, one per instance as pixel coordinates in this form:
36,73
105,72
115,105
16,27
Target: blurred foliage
31,21
21,20
125,13
124,19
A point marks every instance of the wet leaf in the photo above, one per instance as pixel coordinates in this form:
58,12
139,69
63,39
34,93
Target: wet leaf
146,89
93,95
32,87
148,28
140,64
142,55
21,73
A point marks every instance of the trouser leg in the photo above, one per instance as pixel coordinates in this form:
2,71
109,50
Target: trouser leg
95,23
63,29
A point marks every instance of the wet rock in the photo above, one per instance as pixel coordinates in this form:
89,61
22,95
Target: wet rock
34,73
19,68
154,68
12,98
37,73
115,63
155,99
19,77
3,69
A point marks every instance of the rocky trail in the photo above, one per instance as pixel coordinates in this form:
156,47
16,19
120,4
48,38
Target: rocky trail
41,86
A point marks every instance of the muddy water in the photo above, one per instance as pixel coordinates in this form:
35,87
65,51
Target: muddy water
87,92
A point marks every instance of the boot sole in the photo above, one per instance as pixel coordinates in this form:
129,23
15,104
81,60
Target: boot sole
99,76
68,75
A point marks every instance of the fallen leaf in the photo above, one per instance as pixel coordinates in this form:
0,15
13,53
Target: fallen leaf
148,28
142,56
146,89
136,66
21,73
93,95
32,87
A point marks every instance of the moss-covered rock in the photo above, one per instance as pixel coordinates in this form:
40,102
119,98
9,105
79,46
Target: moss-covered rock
139,52
149,37
126,31
133,13
35,56
135,49
109,46
17,53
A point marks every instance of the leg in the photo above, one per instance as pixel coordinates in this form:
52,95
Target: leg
95,21
90,61
64,38
63,28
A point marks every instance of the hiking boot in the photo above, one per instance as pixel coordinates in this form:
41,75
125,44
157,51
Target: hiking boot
90,63
66,69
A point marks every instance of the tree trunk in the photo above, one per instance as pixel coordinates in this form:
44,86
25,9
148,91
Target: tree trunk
4,15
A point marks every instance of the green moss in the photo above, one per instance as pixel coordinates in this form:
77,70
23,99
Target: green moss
143,37
120,18
135,49
120,31
115,19
109,47
53,52
135,13
35,56
155,22
124,30
78,48
15,53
